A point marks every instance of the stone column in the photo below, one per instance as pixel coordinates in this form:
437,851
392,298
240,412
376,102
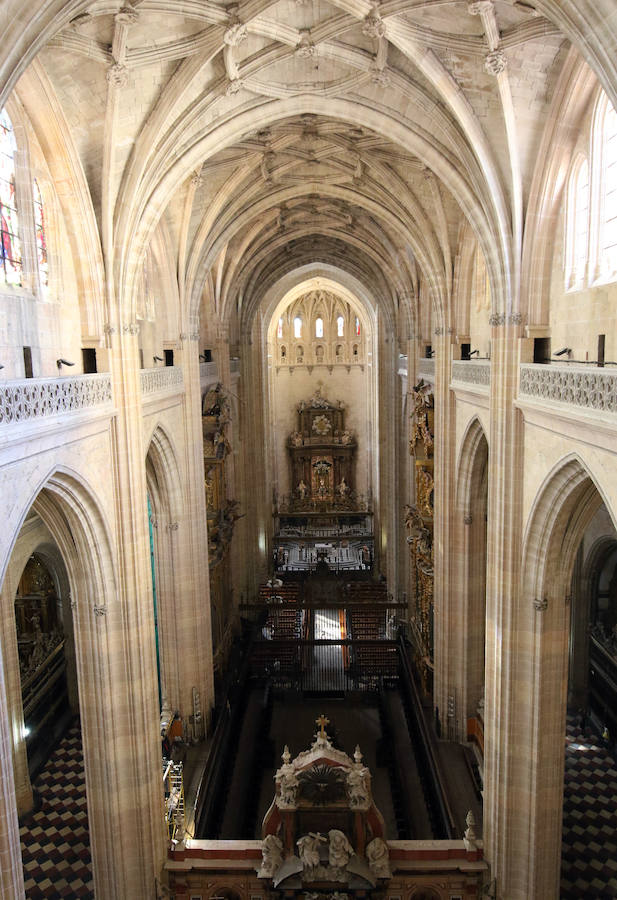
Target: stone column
12,693
117,666
447,624
506,845
11,867
190,544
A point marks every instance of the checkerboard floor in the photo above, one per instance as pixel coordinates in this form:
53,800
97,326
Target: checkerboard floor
55,845
589,841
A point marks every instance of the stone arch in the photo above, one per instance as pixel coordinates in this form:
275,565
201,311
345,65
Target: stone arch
470,563
73,516
164,490
562,510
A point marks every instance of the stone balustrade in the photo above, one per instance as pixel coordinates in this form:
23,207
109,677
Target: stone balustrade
476,373
208,371
32,398
426,368
582,386
161,378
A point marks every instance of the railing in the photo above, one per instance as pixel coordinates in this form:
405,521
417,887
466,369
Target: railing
208,371
426,368
575,385
33,398
474,372
163,378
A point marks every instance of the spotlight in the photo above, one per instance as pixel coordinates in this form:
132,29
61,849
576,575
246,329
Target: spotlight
474,353
563,351
157,359
202,357
431,353
63,362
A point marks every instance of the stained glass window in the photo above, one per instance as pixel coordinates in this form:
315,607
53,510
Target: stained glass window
357,326
41,239
279,332
10,248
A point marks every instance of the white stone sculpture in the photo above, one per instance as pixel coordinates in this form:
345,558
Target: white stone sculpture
357,787
308,849
271,856
378,858
339,849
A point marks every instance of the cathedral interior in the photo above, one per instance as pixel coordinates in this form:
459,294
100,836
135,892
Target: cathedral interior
308,446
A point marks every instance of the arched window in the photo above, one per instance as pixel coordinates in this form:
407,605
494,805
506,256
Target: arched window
608,194
279,332
357,326
319,327
41,239
10,249
297,327
577,229
283,352
299,354
340,326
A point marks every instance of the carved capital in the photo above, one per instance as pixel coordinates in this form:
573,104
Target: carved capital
305,48
117,75
234,86
468,520
479,7
379,75
131,328
173,526
194,336
126,16
183,336
374,26
197,179
495,62
497,319
235,34
99,610
108,329
540,605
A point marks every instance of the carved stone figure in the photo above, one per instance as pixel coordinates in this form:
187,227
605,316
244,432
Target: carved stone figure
288,783
308,849
339,849
357,787
302,489
378,858
271,856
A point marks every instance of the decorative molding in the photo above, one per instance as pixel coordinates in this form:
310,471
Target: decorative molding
540,605
109,329
99,610
591,389
379,75
131,328
32,398
173,526
165,378
234,87
468,372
